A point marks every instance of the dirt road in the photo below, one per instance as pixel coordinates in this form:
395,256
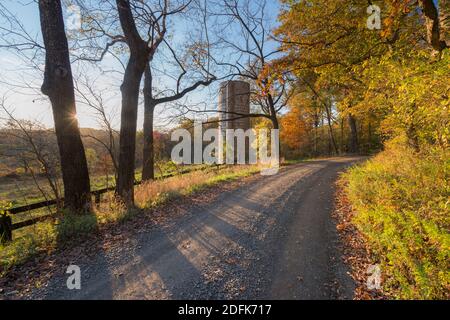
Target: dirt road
272,238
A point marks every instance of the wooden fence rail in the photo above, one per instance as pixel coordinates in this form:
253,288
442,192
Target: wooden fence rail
6,225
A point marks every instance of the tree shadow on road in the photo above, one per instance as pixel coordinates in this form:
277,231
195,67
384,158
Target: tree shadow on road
77,241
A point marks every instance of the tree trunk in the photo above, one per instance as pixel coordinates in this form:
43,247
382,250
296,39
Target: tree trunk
316,135
139,56
444,21
330,130
276,126
130,98
437,27
353,137
274,120
148,169
342,136
58,86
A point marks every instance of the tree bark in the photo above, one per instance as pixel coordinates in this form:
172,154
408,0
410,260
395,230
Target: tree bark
130,98
330,130
437,27
444,21
148,169
139,53
274,120
353,138
58,86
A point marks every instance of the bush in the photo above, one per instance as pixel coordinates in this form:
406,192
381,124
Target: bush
71,225
402,207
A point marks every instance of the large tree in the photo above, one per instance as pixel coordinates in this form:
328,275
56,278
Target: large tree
152,21
58,86
139,54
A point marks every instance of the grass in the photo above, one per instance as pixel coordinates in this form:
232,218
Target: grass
289,162
21,190
155,193
46,236
401,200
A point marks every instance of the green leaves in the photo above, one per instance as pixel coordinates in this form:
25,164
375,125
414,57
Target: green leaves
5,206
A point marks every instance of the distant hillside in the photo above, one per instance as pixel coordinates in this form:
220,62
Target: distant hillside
14,146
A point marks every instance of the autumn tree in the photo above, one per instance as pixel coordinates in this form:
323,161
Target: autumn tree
294,135
326,43
353,65
437,19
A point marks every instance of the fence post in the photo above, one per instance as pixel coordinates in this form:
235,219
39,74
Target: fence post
5,229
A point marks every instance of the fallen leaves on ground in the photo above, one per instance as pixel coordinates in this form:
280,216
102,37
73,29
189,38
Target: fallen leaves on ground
356,252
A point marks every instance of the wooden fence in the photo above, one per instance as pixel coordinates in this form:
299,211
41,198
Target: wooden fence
6,225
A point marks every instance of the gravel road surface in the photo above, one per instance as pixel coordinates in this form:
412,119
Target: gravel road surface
272,238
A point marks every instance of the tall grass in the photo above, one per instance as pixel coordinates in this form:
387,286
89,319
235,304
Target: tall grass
153,193
401,200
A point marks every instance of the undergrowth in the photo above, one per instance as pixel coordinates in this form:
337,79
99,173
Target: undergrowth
401,199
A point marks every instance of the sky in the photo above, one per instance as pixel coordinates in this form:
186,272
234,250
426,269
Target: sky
20,82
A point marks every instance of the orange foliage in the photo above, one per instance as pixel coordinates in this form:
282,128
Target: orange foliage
294,132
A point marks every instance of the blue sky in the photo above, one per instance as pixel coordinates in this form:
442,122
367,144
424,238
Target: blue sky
30,104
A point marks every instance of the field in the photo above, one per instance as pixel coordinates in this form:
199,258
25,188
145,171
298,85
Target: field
22,189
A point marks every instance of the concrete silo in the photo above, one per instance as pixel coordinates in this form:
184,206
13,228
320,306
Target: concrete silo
234,96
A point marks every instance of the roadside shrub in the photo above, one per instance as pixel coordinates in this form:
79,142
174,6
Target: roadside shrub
70,225
112,210
401,200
